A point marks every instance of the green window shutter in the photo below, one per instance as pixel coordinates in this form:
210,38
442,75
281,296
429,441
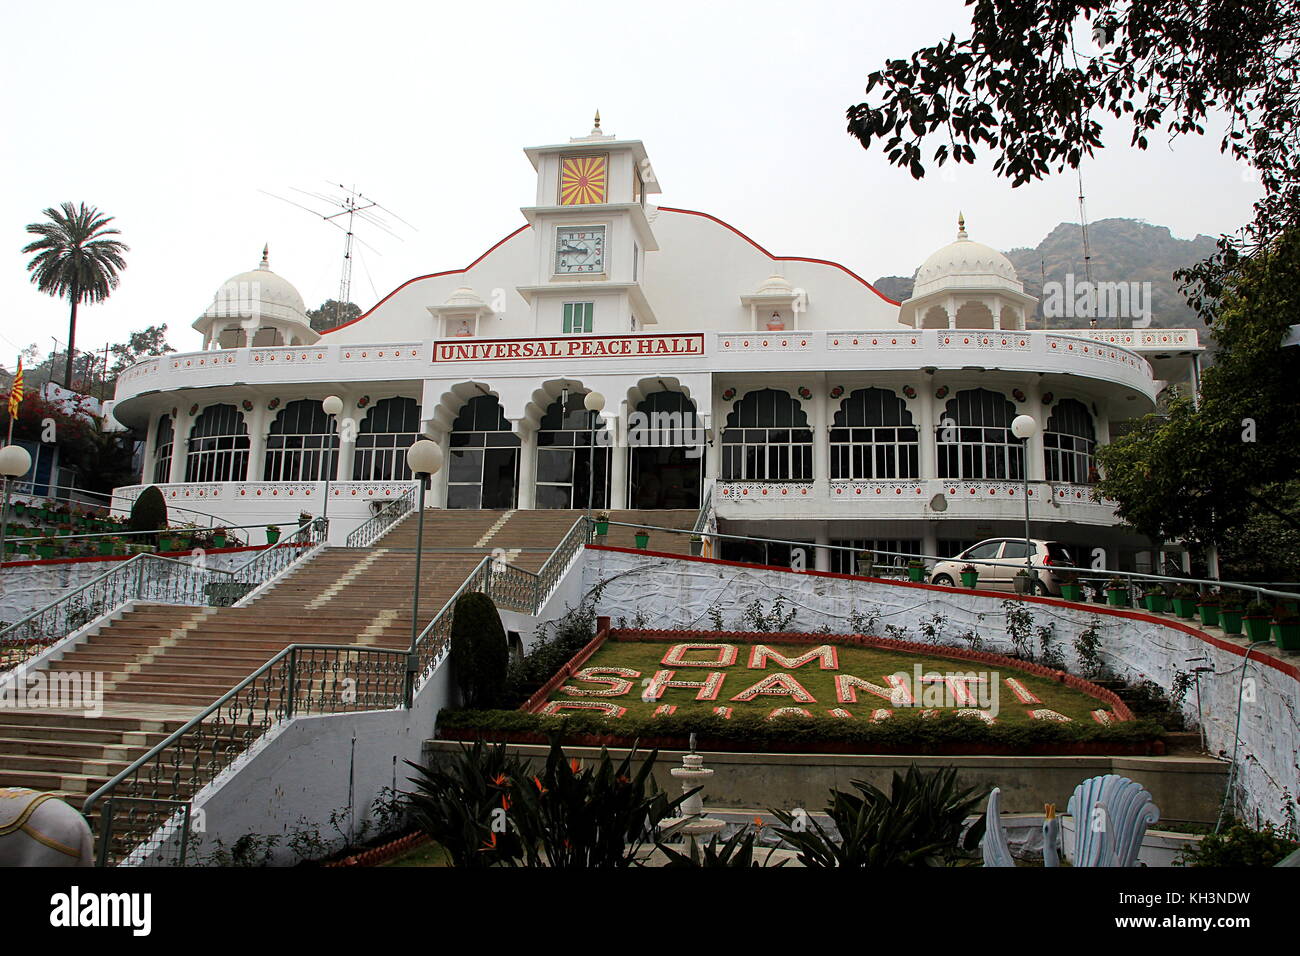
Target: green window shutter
587,309
568,317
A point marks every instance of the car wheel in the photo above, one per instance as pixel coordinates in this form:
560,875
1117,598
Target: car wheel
942,580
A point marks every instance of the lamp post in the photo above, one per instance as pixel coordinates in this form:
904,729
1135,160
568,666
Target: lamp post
14,463
424,458
593,402
1025,427
332,406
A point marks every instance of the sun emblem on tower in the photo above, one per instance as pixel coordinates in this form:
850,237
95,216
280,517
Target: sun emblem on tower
583,180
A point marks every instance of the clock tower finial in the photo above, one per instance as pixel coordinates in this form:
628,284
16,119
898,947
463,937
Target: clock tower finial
961,225
596,129
266,256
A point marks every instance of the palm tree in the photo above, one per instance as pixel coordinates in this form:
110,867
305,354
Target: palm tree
75,260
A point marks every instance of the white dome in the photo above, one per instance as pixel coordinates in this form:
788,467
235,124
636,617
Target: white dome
259,293
464,298
775,285
965,264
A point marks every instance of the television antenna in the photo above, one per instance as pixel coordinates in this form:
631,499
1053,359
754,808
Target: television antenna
347,208
1087,250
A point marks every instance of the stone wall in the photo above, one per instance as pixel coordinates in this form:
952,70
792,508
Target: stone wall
645,590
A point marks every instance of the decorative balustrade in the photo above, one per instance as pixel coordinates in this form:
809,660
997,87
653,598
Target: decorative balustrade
386,517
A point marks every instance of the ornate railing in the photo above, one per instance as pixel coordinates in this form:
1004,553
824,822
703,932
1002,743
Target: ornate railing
550,573
159,580
138,805
375,527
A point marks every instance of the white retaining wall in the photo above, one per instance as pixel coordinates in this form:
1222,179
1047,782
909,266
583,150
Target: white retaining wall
678,593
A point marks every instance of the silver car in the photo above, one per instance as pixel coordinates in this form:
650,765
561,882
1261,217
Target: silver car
1049,558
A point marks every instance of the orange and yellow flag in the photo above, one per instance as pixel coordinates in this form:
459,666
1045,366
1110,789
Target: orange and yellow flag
16,391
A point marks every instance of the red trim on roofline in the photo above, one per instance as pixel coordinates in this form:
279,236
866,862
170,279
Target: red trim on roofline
821,262
431,275
688,212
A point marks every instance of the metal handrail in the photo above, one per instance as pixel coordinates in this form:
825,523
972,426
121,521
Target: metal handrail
706,509
159,532
374,527
1087,573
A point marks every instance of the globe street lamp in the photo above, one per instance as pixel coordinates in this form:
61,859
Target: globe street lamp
424,458
14,463
594,402
332,406
1025,427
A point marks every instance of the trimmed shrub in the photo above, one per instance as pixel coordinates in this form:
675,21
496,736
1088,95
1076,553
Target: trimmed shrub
149,512
480,655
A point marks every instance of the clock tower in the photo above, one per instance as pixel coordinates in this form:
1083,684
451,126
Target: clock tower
592,236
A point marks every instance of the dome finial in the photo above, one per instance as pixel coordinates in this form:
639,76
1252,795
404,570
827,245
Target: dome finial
961,225
266,257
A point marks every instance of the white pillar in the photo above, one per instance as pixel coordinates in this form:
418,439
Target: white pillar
150,446
348,437
180,446
930,538
436,496
823,556
1036,468
258,422
713,457
619,452
925,413
527,491
821,434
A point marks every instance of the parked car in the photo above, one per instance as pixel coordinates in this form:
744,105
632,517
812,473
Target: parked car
1048,557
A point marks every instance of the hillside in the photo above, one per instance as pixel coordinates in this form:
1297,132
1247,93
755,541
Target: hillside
1123,250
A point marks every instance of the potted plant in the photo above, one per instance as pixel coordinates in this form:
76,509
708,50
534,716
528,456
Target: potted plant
218,537
304,518
1230,612
117,545
1185,601
602,524
272,533
1071,589
20,508
1154,598
866,562
1117,592
45,548
697,544
969,575
1022,582
916,570
105,545
1287,628
1207,606
1258,620
642,539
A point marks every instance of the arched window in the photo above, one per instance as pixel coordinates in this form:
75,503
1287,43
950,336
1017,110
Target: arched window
164,438
1069,442
303,444
218,446
767,439
484,467
386,432
872,436
666,451
566,455
975,440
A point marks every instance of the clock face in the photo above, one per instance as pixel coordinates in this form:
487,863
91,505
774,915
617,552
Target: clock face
583,179
580,250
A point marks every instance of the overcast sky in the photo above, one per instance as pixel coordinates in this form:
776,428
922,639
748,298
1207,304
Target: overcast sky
174,117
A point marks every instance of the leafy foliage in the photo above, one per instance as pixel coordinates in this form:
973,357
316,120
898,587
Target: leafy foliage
918,823
332,314
737,851
480,654
1239,845
554,643
148,511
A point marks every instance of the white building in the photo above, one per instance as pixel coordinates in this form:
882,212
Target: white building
787,391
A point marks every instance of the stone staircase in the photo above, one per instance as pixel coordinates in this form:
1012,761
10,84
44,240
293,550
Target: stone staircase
163,664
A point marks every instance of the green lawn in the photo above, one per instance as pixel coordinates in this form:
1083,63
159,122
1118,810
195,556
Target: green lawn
427,854
868,664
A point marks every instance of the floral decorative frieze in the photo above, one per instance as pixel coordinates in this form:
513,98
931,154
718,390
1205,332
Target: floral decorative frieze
193,360
301,355
1070,346
764,490
380,353
182,492
368,489
976,339
765,342
847,489
874,340
275,489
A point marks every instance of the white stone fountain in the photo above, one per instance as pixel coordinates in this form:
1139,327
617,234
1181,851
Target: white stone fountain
692,773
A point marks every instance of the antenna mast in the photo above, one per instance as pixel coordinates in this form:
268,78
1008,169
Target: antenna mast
351,205
1087,250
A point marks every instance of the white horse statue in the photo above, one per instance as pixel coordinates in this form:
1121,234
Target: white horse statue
39,829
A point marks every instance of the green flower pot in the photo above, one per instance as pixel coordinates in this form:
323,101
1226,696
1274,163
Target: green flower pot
1117,597
1072,592
915,575
968,578
1185,607
1209,614
218,540
1155,603
45,551
106,547
1230,621
272,536
1258,628
602,527
20,508
1287,635
643,541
